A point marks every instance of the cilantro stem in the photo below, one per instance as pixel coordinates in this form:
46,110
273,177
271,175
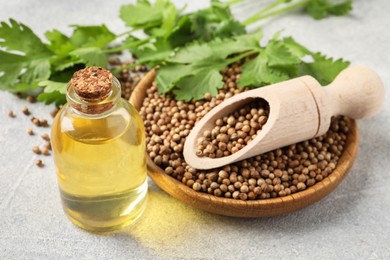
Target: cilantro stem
126,46
233,2
241,56
117,49
254,17
262,14
127,32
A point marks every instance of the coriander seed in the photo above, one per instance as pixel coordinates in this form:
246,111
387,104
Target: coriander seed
44,123
45,151
30,99
36,150
48,146
30,131
45,137
196,186
26,111
54,112
11,114
39,163
36,121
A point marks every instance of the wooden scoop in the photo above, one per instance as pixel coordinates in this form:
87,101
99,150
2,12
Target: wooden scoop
300,109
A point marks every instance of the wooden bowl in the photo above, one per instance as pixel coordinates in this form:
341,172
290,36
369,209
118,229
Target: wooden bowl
252,208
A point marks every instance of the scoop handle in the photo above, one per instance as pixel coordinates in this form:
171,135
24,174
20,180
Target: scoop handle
357,92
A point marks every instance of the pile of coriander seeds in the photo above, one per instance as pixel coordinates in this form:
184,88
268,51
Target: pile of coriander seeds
234,131
273,174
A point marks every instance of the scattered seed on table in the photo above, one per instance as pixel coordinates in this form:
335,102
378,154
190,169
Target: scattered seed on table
26,111
30,131
54,112
11,114
44,123
45,137
36,150
45,151
36,121
48,145
39,163
30,99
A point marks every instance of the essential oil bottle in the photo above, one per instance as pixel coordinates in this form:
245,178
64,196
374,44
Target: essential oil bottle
98,142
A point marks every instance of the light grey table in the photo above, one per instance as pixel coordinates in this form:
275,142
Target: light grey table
351,223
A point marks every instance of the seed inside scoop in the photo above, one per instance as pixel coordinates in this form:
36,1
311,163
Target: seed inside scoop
234,131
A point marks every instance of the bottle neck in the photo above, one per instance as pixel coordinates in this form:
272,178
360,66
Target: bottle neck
94,107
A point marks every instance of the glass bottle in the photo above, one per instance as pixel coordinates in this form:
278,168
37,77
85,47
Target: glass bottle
98,143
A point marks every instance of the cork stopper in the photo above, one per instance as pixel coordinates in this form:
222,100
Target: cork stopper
92,83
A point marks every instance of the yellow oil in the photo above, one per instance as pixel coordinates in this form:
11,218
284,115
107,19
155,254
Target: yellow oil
101,167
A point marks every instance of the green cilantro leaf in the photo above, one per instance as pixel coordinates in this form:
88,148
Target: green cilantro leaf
257,72
195,86
322,68
59,43
26,63
215,22
61,46
91,36
85,46
192,53
145,15
36,70
218,48
167,30
154,53
24,58
182,33
53,97
169,75
228,28
167,23
91,56
320,9
195,69
279,55
283,59
10,67
54,92
27,42
295,48
51,86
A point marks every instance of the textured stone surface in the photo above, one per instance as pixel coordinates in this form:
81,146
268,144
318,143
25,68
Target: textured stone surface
351,223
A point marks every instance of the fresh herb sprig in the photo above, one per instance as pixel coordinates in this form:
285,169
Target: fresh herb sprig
194,70
26,63
198,45
191,49
318,9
